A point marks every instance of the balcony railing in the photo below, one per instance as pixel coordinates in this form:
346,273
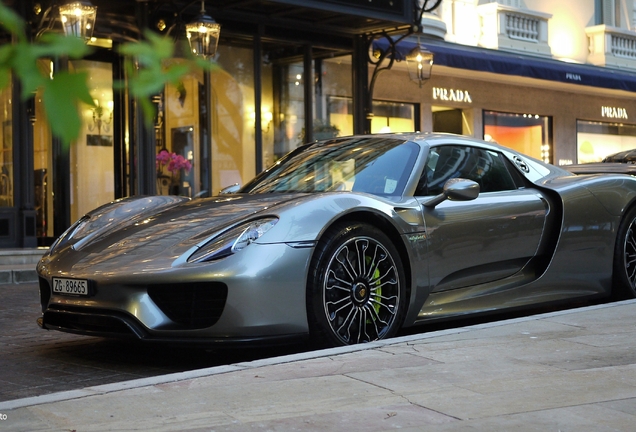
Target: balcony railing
624,46
514,29
611,46
522,27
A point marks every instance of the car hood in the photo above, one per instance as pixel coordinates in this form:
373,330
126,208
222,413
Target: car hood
159,237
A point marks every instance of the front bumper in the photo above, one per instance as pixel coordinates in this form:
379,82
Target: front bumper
258,293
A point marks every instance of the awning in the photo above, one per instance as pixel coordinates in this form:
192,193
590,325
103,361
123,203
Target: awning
505,63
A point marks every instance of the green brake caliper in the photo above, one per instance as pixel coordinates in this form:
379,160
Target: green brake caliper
378,290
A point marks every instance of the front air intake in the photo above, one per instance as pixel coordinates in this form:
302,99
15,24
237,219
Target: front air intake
193,305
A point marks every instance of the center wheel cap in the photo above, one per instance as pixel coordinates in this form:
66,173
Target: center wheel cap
360,292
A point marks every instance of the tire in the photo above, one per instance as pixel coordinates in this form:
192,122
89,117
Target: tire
624,280
352,300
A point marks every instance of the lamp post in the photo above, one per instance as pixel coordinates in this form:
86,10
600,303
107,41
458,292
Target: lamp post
78,19
203,34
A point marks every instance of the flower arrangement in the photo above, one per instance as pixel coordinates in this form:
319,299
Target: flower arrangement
172,162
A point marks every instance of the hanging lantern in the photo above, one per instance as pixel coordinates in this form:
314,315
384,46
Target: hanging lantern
419,62
78,19
203,35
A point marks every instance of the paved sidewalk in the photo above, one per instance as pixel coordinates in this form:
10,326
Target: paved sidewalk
565,371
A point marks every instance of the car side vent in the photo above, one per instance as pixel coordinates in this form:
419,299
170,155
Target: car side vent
193,305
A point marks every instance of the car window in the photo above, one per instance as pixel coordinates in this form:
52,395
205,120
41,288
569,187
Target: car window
486,167
379,166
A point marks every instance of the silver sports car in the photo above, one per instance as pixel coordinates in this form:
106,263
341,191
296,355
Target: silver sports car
347,241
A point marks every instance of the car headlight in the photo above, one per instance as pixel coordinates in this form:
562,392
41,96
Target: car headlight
232,241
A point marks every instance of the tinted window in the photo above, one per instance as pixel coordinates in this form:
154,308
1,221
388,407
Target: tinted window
485,167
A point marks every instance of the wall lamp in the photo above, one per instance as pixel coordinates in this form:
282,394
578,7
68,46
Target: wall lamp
98,121
77,18
419,63
266,118
203,34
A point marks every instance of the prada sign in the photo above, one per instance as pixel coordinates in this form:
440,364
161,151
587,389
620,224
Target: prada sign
614,112
451,95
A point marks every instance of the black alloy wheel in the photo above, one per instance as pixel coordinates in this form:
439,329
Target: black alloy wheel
625,258
356,290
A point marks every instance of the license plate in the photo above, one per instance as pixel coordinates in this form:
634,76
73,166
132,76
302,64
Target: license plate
70,286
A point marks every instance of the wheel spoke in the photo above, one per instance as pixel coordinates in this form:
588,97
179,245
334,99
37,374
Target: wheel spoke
375,319
386,303
348,322
376,262
377,281
361,248
346,300
343,259
346,288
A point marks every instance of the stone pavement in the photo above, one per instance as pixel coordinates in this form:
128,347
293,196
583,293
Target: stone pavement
35,362
573,370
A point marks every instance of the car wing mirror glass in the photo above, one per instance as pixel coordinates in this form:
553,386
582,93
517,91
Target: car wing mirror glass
457,189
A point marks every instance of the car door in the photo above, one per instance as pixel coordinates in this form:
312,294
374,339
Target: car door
486,239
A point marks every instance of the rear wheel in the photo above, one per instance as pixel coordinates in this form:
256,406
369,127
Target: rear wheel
625,258
356,291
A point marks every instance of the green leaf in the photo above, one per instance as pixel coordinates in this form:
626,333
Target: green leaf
5,77
6,54
60,97
12,21
148,110
57,45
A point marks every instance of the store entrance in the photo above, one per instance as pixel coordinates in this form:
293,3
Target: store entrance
447,120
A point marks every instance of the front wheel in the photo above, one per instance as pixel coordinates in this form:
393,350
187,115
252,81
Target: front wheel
356,289
624,284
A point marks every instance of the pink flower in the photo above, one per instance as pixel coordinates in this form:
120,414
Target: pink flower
172,161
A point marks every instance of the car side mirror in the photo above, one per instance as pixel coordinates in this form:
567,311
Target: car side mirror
457,189
230,189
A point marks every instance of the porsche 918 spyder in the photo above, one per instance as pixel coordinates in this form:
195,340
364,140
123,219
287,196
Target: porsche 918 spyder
345,241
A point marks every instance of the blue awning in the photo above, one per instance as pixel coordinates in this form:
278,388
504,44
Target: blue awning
499,62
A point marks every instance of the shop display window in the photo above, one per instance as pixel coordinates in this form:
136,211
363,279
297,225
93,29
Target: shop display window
596,140
387,116
92,161
530,134
6,154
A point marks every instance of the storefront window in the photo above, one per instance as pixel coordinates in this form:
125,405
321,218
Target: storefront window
331,77
387,116
43,163
233,114
596,140
92,155
6,158
291,118
188,150
393,117
530,134
177,137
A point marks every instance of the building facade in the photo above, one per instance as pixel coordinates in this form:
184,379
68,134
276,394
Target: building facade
553,79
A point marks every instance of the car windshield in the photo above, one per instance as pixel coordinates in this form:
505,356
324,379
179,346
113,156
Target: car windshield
379,166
